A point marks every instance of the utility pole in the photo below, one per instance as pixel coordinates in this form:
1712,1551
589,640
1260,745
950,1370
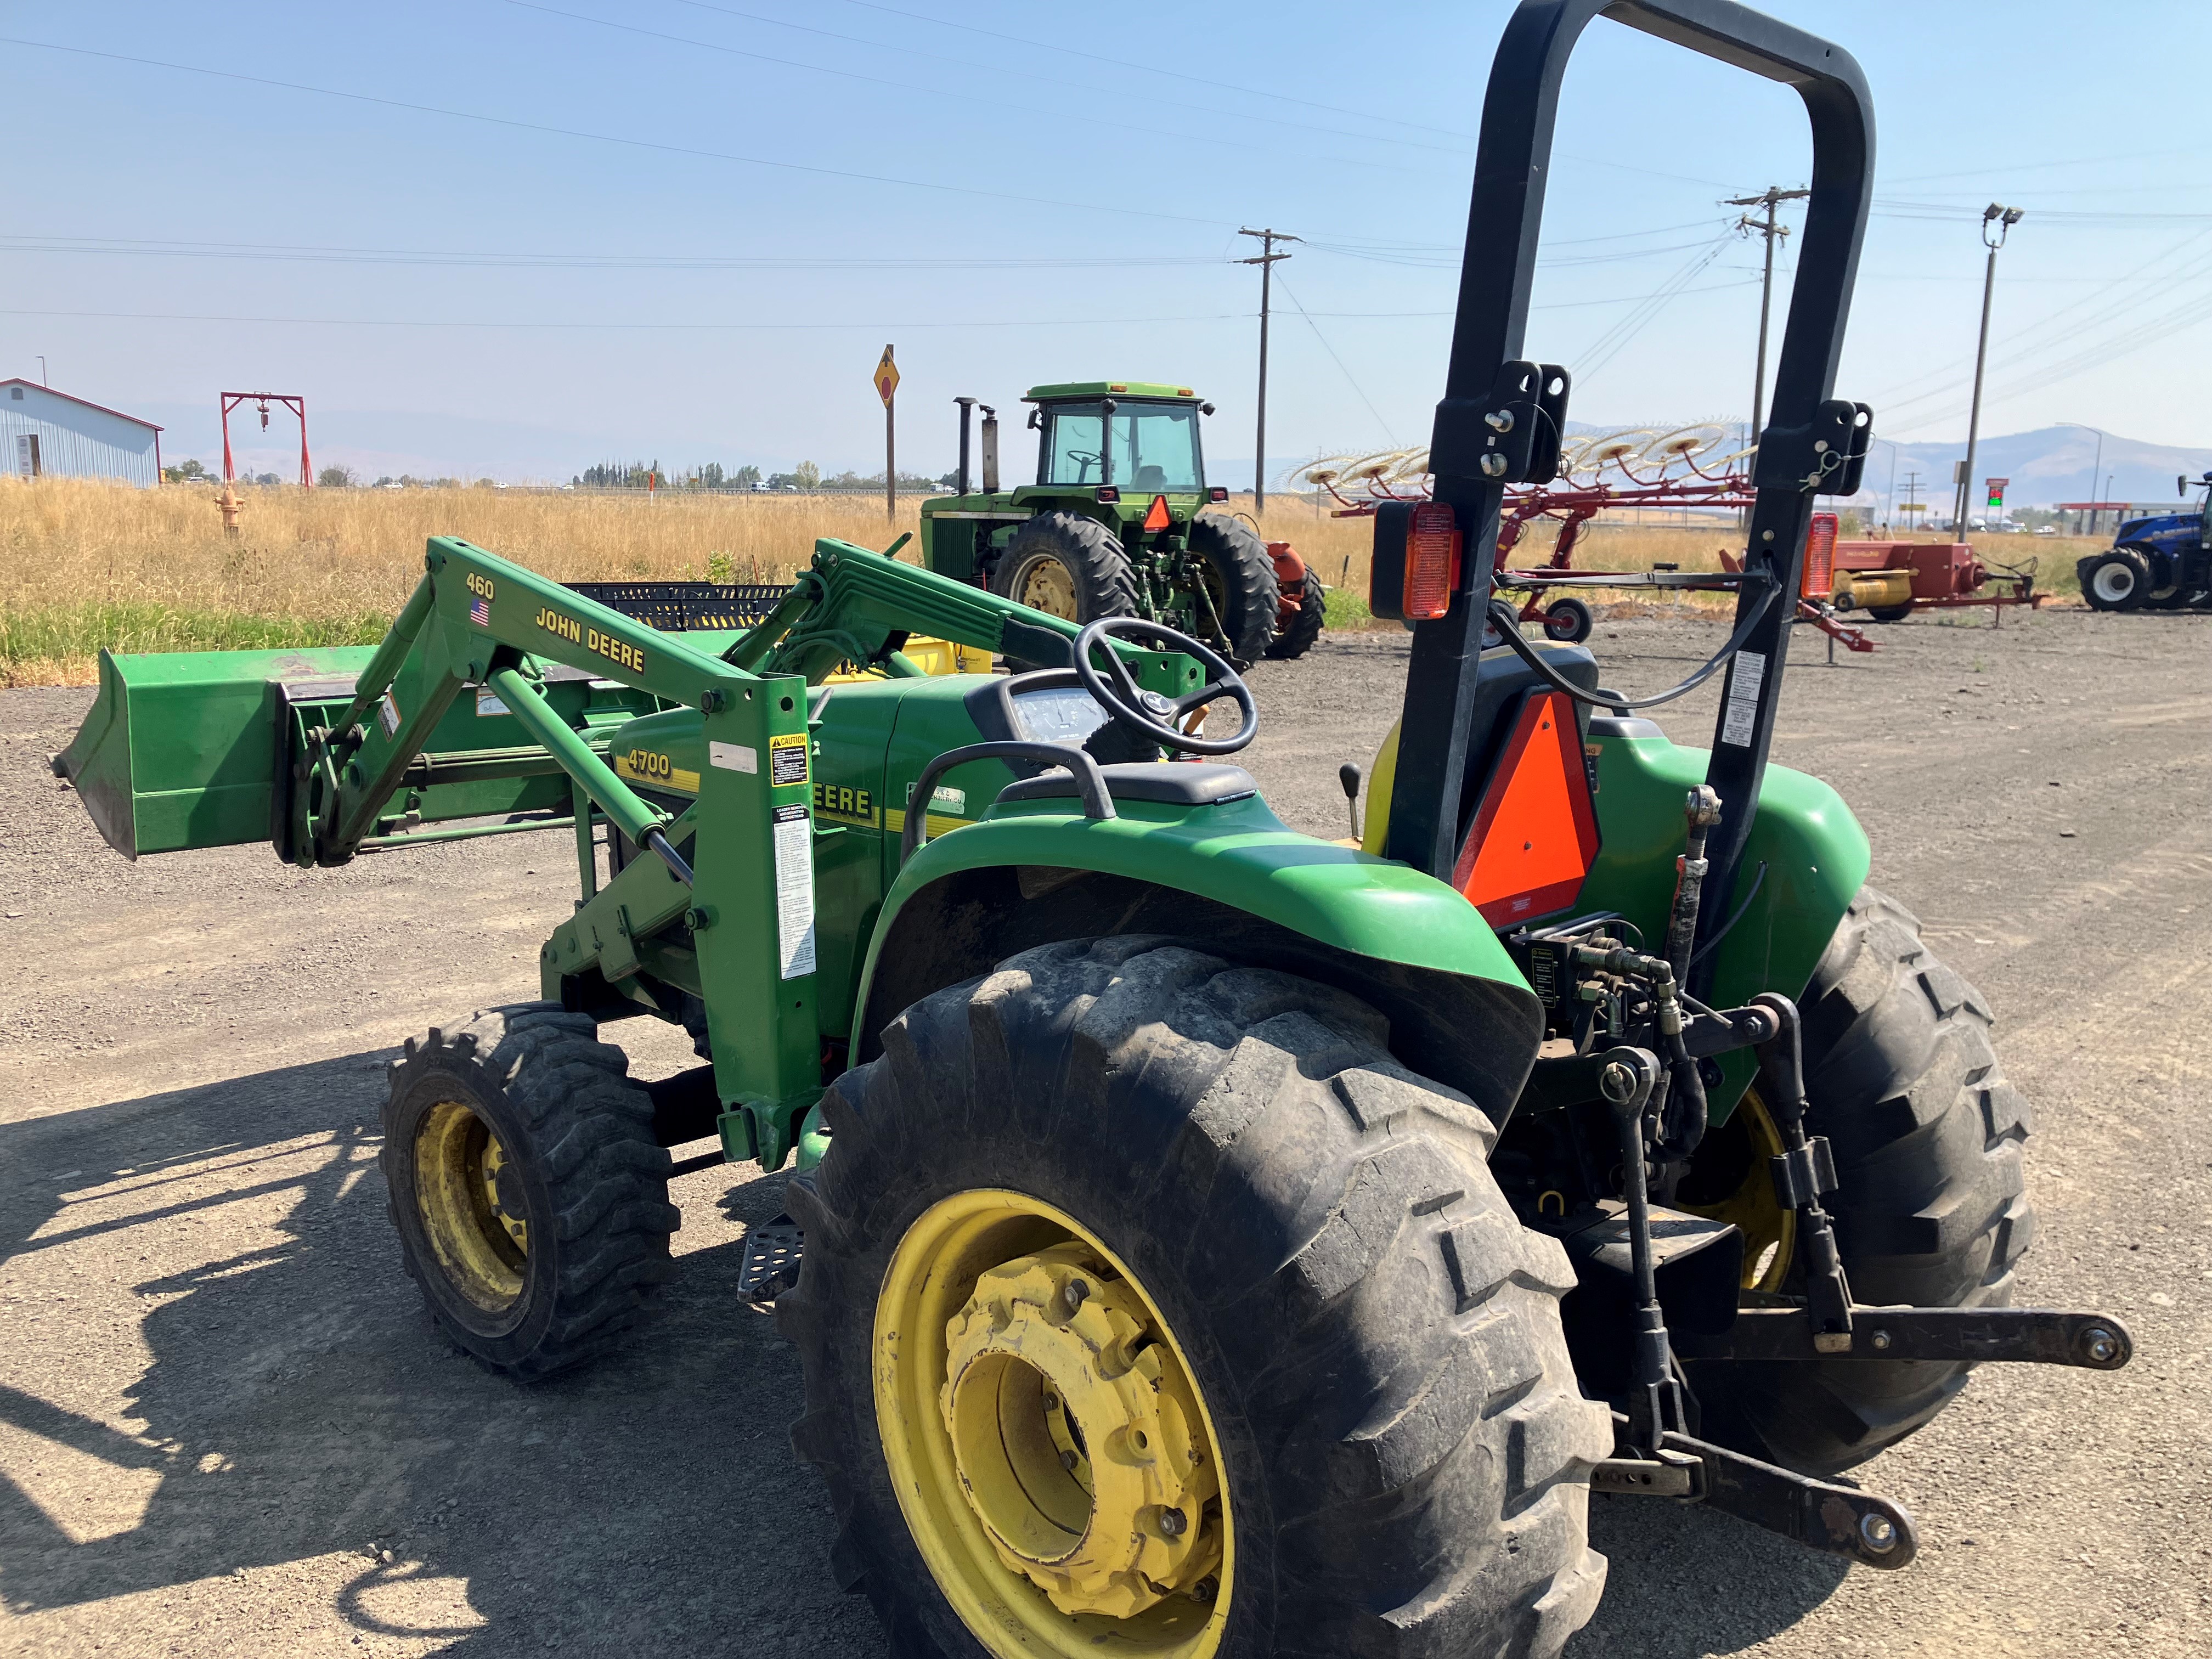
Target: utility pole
1771,228
1266,261
1997,219
1912,497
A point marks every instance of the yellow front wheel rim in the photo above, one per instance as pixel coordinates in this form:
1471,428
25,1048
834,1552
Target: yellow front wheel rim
1047,584
1051,1454
482,1246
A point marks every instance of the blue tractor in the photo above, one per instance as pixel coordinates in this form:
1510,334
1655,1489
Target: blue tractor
2160,563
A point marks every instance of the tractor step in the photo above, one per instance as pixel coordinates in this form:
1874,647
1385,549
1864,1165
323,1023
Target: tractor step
770,1264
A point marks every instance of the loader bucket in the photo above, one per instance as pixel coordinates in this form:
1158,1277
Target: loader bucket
180,748
197,749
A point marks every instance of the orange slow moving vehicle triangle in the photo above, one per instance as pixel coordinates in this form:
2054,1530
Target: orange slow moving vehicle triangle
1157,518
1534,836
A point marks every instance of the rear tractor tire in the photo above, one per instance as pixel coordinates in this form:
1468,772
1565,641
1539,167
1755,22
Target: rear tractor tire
1148,1305
1066,566
2117,579
1929,1209
529,1193
1242,594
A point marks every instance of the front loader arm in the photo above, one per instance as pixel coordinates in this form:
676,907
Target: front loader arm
857,605
740,906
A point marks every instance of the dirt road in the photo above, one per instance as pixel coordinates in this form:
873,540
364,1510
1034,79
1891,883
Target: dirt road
226,1427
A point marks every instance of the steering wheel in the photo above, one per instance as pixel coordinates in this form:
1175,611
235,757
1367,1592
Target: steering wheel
1084,460
1156,716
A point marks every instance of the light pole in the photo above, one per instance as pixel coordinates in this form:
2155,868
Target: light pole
2096,466
1996,220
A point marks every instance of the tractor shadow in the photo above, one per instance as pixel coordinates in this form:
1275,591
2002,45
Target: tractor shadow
1685,1582
297,1406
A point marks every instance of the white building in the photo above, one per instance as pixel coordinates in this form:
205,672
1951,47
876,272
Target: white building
44,434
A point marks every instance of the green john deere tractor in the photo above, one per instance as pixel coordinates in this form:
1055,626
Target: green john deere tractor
1203,1239
1115,524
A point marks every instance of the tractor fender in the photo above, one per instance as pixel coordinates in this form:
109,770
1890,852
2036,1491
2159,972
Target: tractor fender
1236,883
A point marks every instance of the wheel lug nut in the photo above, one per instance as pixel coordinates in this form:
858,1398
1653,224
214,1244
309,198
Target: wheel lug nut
1172,1524
1067,1462
1075,1295
1205,1590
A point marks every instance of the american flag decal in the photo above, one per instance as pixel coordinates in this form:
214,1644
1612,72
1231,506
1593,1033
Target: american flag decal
480,613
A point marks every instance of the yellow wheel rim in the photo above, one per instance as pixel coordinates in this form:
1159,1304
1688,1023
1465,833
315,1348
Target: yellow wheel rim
1770,1232
1050,1450
479,1244
1047,584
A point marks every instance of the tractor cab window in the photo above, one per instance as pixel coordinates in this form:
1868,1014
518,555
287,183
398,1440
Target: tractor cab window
1155,448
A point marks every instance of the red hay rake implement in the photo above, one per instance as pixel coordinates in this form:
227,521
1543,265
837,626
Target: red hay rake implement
1642,467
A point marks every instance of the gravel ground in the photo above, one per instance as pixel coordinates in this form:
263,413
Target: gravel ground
227,1427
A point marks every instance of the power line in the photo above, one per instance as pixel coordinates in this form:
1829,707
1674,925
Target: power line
1609,344
1061,114
508,324
607,138
1207,81
1339,362
450,258
1031,75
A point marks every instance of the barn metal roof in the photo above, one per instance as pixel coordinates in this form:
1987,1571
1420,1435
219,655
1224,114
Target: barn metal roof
17,379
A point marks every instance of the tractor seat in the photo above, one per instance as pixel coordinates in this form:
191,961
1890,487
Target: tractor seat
1172,783
1150,477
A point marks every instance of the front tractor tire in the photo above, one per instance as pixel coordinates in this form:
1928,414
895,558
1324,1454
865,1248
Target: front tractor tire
2116,580
1929,1208
1149,1305
1243,604
530,1194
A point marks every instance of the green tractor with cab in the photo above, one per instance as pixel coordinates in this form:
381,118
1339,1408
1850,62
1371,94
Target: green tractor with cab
1117,524
1203,1239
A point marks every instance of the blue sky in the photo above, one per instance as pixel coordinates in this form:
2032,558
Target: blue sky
688,237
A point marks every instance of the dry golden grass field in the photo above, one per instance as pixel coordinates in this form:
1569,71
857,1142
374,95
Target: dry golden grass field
85,566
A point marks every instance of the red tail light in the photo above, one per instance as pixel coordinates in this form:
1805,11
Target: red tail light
1432,550
1820,579
1534,836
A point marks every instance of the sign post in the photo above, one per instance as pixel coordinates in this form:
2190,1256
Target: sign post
887,380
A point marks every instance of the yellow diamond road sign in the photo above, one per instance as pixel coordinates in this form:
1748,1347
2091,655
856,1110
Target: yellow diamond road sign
887,377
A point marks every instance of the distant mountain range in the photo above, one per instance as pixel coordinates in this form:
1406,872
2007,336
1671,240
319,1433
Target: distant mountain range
2042,468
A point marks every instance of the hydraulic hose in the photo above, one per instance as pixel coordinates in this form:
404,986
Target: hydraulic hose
1503,619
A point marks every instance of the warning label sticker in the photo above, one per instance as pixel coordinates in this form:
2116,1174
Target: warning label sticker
733,756
794,891
388,715
787,758
1744,681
